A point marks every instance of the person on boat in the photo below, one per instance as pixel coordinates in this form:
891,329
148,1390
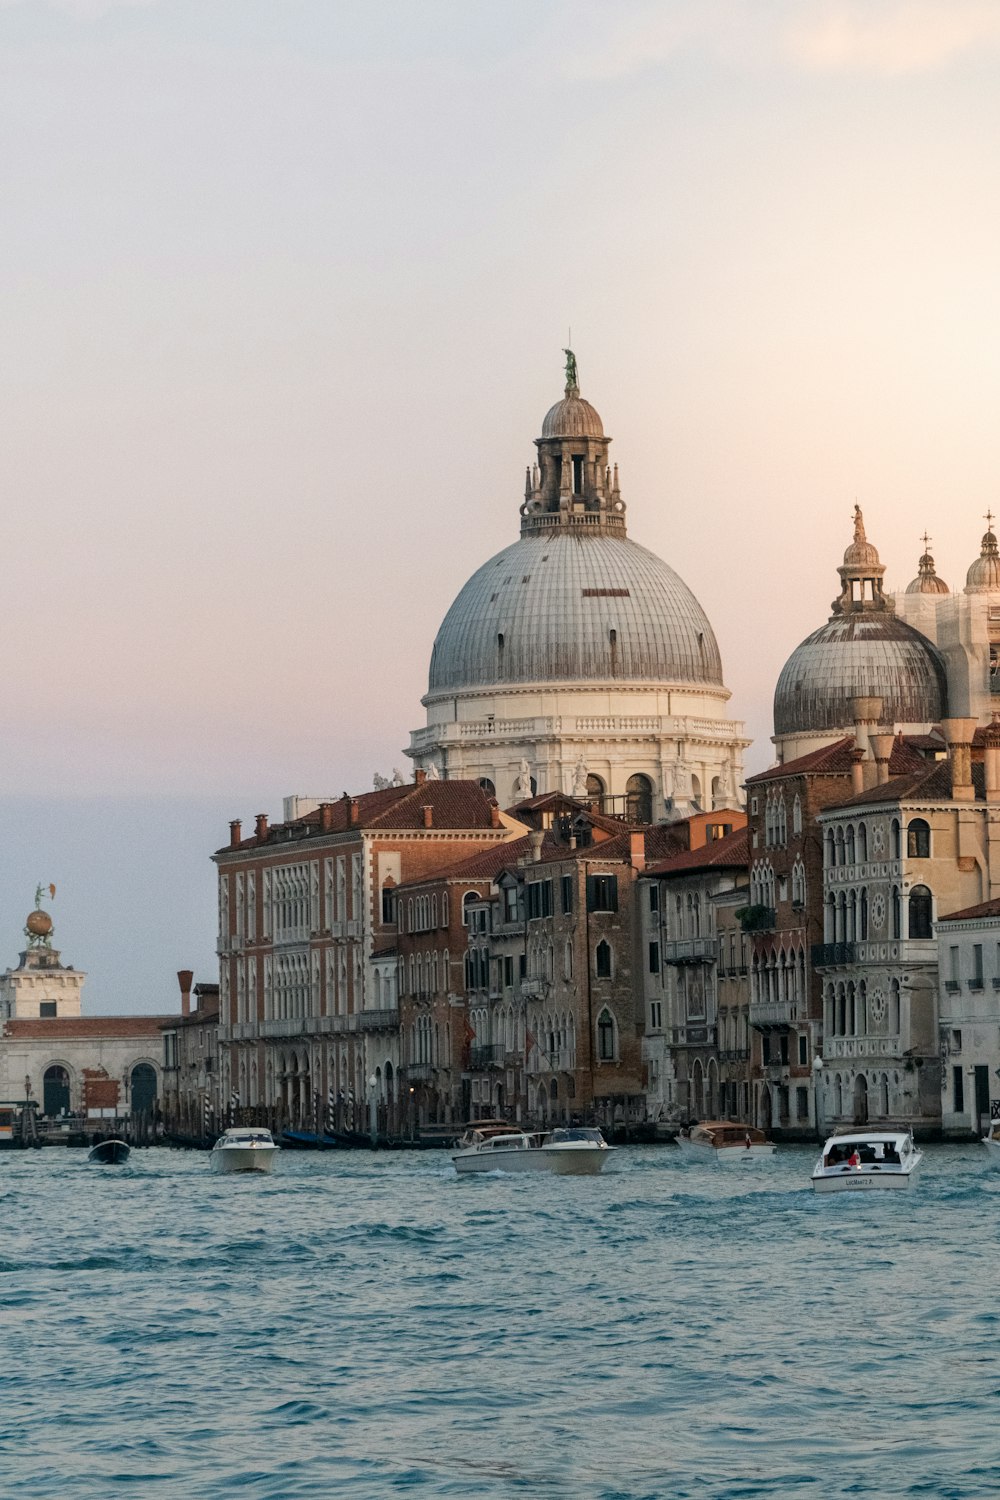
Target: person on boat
854,1160
747,1141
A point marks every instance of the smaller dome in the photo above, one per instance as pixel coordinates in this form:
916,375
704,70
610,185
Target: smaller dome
572,417
927,581
984,575
39,924
861,553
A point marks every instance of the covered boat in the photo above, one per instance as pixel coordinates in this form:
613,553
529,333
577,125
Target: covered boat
244,1148
726,1141
866,1160
577,1151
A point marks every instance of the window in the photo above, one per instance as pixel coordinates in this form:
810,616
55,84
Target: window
510,903
539,899
894,842
602,960
387,909
639,799
654,958
467,900
802,1103
654,897
920,912
977,966
958,1089
508,972
655,1015
803,1051
602,892
47,1009
897,909
566,889
918,839
606,1036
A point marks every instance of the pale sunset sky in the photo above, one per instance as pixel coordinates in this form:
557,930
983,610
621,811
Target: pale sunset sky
286,285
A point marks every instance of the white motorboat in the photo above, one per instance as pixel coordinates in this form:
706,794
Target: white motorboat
573,1150
863,1160
725,1141
991,1140
244,1148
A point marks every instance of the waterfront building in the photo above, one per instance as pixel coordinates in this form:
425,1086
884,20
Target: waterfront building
307,926
65,1062
191,1103
968,947
680,957
899,856
575,660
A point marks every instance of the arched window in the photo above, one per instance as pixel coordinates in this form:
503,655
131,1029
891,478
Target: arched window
606,1036
595,793
467,900
894,841
897,913
863,915
863,843
920,912
487,786
797,815
831,849
849,845
918,839
603,960
639,799
894,1008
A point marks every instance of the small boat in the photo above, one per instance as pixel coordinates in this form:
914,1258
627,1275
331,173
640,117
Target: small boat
862,1160
576,1151
991,1140
244,1148
725,1141
109,1153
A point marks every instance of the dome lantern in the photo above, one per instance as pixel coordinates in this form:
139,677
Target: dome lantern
861,574
572,484
984,575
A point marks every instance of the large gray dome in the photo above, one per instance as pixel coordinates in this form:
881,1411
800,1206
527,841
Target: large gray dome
860,655
562,605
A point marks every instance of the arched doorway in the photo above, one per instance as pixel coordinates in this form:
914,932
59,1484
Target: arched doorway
55,1091
764,1108
698,1090
639,799
143,1086
861,1100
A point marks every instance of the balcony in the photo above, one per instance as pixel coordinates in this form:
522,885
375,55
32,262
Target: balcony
700,950
481,1057
378,1020
832,955
772,1015
419,1073
757,918
692,1036
952,986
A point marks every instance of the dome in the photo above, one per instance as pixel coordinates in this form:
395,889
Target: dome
563,605
927,581
860,655
984,575
572,417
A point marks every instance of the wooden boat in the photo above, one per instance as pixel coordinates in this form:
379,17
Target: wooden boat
725,1141
109,1153
575,1151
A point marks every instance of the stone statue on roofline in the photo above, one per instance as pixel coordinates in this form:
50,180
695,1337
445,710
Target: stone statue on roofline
433,774
522,786
580,779
397,777
380,783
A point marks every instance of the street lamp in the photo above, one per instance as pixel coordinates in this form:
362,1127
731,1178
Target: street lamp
817,1069
372,1108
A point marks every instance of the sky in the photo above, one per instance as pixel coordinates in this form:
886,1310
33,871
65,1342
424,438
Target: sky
286,287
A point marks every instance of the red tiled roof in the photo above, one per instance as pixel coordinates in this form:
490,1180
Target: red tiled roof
729,853
455,804
72,1028
482,866
973,913
831,759
931,783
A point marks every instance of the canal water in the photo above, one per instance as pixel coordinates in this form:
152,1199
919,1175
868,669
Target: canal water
371,1325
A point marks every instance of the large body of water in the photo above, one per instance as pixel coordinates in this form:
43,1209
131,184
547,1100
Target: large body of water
371,1325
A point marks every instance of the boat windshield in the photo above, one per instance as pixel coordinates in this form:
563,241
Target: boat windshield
576,1133
869,1152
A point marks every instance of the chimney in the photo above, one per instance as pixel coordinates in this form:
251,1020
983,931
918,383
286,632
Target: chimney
494,815
260,828
419,776
351,804
865,715
428,813
234,834
637,850
882,746
535,840
184,978
991,736
959,734
857,771
326,817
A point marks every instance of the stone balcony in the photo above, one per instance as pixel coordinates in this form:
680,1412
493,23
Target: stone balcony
699,950
772,1015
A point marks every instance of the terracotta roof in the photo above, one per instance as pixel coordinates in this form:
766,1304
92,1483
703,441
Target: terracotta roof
82,1027
831,759
729,853
455,804
482,866
972,913
932,783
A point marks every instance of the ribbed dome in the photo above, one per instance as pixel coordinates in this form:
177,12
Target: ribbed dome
984,575
568,606
927,581
572,417
860,655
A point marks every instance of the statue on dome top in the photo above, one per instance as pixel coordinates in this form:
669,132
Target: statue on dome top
572,378
859,524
